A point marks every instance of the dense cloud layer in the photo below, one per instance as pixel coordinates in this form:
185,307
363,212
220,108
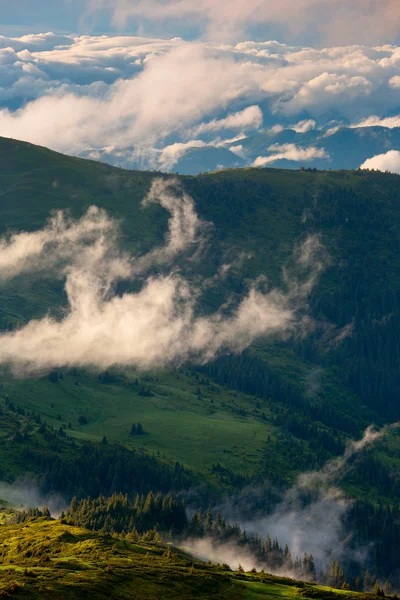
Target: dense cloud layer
156,326
145,102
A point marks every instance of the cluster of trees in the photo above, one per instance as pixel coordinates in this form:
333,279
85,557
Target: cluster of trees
250,374
364,582
362,295
31,513
268,551
376,527
98,469
137,429
117,514
155,516
161,513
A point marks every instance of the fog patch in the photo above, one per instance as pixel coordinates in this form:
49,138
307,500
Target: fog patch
157,326
309,519
24,493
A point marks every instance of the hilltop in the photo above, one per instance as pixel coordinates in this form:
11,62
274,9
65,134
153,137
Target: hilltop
45,558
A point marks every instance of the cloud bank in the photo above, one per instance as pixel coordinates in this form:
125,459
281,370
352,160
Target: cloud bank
156,326
142,103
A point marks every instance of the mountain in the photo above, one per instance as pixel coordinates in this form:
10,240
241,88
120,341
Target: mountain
238,421
340,148
201,160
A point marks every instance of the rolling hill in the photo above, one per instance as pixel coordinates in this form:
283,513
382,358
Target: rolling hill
45,558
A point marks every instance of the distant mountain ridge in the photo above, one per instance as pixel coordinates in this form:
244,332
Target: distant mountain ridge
345,148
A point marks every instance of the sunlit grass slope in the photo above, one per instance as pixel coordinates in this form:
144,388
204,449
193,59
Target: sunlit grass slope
45,559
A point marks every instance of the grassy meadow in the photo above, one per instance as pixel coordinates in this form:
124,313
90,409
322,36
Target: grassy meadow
45,559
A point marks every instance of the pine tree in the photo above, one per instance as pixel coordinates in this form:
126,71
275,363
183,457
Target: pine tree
367,581
387,588
378,590
149,504
209,521
268,545
358,584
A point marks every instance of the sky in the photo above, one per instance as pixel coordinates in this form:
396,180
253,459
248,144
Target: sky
293,21
139,83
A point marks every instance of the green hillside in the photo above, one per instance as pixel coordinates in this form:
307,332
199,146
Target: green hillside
46,559
263,213
240,421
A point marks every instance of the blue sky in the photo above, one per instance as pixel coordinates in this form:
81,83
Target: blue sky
42,15
76,16
308,22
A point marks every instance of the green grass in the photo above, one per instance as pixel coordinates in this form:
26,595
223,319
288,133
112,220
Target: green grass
255,591
46,559
197,431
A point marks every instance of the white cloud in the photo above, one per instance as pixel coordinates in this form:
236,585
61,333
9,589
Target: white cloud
170,155
394,82
304,126
153,327
290,152
384,162
36,42
124,99
239,150
325,88
375,121
172,92
249,118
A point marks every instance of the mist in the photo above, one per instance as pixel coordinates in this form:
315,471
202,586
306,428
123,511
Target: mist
309,518
160,325
24,493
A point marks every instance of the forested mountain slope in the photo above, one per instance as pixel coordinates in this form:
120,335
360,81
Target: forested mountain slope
282,406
